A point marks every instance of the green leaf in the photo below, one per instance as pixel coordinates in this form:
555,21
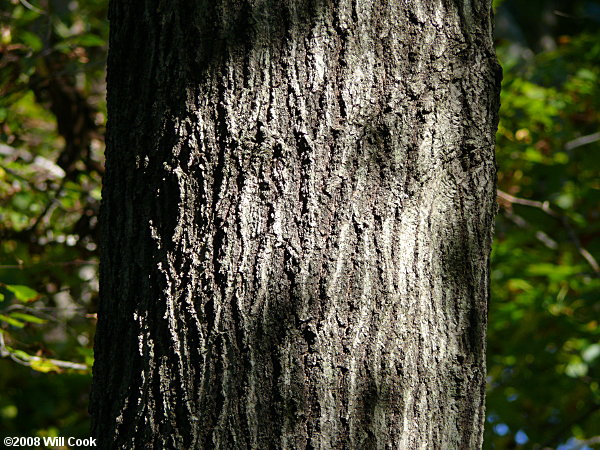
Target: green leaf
88,354
591,353
27,318
11,321
88,40
9,412
23,293
43,365
576,369
516,284
20,354
31,40
555,272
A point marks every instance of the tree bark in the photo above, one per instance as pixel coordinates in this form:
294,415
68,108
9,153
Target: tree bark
296,224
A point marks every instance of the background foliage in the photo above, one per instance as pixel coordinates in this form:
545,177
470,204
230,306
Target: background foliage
51,142
544,338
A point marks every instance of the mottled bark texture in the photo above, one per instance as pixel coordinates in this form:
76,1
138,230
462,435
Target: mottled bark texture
297,218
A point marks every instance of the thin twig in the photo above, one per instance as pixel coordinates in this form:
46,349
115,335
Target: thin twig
57,363
33,311
583,140
540,235
5,351
49,264
29,6
545,206
48,208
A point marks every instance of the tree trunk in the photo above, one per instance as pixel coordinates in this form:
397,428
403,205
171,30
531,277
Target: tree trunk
297,218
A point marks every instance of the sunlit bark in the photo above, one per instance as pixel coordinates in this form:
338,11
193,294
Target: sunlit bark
297,219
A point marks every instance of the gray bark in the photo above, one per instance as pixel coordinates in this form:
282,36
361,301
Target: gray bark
297,218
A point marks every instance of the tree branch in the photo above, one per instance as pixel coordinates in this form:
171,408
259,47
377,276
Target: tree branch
508,200
6,352
583,140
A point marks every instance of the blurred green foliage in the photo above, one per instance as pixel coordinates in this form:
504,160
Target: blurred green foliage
544,338
52,113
